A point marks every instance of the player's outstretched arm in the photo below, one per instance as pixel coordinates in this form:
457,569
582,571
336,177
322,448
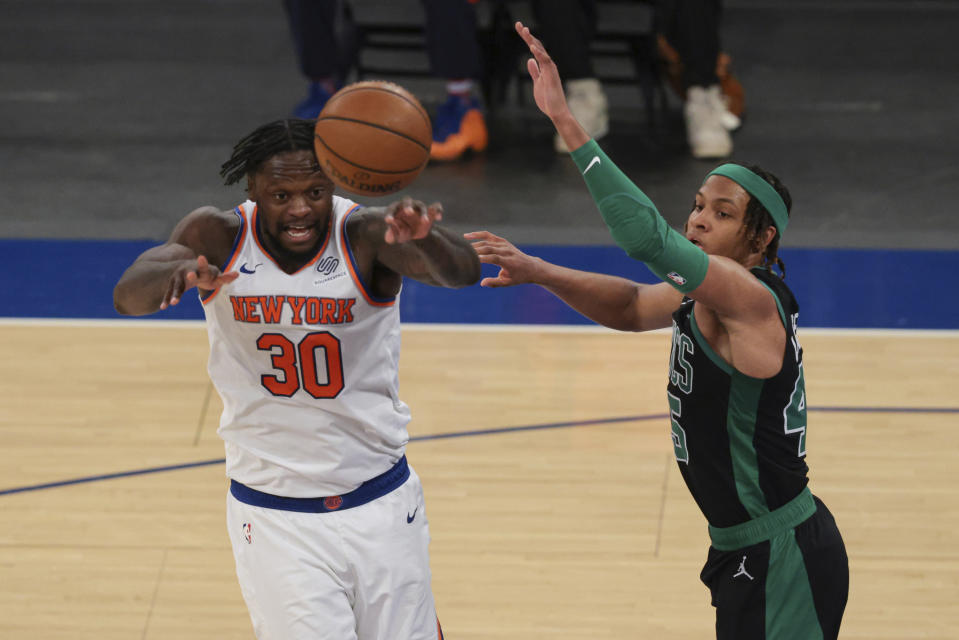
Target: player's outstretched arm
637,227
548,91
411,243
611,301
158,278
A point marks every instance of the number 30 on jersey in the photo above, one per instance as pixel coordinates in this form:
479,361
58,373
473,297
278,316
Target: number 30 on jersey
298,364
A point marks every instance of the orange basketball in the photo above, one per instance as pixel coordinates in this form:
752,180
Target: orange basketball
373,138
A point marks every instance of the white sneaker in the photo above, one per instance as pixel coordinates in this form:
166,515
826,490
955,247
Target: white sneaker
707,136
588,104
719,101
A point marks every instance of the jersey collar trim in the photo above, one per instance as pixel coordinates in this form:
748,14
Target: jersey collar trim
262,246
234,252
354,269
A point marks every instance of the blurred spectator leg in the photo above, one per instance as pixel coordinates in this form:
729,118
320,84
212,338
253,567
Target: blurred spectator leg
451,39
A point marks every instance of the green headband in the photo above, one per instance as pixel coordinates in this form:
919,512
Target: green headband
759,189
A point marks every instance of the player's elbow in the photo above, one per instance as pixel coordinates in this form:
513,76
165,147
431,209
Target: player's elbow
118,303
123,303
470,273
465,273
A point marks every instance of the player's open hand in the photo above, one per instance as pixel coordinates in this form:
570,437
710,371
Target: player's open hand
195,273
547,86
515,266
409,219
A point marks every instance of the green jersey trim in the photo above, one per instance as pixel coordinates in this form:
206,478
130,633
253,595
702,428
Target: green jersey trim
789,597
707,349
715,357
744,394
779,305
712,355
765,527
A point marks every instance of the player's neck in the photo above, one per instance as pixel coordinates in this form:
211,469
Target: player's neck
292,261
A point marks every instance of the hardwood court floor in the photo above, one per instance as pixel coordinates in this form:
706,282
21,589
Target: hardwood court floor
580,531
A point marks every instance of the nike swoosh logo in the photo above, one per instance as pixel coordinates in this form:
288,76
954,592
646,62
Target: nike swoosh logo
410,518
243,269
595,160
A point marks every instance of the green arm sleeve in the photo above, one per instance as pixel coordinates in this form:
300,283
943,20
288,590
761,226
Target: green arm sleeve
636,225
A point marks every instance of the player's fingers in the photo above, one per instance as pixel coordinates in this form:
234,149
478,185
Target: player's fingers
413,227
175,291
502,247
482,235
493,249
212,275
220,280
533,69
412,222
532,41
436,211
395,227
165,301
543,61
498,281
395,208
526,34
412,207
498,258
423,226
403,217
519,29
202,279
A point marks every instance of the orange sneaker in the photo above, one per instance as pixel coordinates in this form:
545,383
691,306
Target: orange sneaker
459,127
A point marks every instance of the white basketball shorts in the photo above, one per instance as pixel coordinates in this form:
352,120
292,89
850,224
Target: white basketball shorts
359,573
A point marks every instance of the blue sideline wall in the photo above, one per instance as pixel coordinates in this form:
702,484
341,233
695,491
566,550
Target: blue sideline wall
836,288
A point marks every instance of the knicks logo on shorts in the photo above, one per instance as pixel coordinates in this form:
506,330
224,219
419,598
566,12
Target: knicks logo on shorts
333,503
248,532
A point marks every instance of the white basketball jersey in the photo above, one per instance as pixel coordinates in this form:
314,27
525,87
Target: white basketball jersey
306,365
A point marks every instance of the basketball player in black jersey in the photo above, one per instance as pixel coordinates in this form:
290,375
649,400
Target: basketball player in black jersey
777,566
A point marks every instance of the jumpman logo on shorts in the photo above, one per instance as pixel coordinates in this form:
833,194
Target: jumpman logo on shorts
742,570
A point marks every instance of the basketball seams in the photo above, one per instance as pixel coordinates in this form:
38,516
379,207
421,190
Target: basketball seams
375,126
369,140
393,92
370,169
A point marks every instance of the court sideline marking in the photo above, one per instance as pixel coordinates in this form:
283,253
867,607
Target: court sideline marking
458,434
153,323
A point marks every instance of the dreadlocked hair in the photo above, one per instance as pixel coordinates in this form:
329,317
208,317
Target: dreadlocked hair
758,220
251,152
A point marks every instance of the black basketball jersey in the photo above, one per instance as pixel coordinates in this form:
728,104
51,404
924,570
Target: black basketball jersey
740,441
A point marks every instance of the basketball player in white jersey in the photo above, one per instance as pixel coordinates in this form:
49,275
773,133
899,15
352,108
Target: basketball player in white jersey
300,290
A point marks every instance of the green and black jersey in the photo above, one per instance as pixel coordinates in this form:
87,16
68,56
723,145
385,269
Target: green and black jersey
740,441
